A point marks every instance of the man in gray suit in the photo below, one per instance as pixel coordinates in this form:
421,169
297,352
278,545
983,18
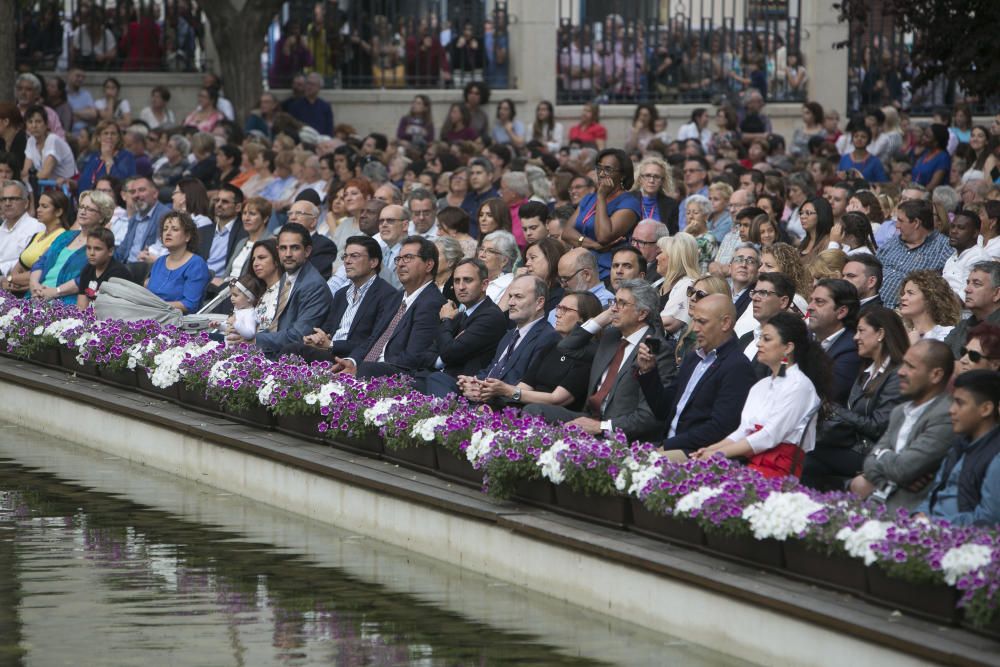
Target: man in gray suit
900,466
616,401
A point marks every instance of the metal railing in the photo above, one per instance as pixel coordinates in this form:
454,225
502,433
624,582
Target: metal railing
132,35
696,52
392,44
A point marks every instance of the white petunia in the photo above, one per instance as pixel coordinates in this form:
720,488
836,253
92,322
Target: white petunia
480,445
426,429
858,541
781,515
960,561
549,462
377,414
694,500
323,396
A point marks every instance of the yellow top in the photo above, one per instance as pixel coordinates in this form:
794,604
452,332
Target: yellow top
40,242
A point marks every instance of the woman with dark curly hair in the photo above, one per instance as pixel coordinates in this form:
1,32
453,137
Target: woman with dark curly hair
928,306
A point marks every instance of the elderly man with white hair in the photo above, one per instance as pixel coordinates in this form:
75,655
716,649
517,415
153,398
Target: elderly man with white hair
18,226
515,190
28,92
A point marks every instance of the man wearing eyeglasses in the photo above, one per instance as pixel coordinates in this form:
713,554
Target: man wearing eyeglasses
356,309
743,269
578,271
218,246
737,202
773,294
645,237
615,400
367,225
982,299
695,183
423,214
392,225
324,251
18,227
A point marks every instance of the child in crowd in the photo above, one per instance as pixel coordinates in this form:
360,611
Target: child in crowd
244,293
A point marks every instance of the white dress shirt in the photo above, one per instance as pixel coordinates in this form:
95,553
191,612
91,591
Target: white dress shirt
777,410
498,286
911,413
958,267
632,341
14,239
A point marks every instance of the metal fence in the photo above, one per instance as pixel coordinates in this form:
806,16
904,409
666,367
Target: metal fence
391,43
131,35
682,51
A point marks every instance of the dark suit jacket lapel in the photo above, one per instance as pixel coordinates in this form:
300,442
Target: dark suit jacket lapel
605,352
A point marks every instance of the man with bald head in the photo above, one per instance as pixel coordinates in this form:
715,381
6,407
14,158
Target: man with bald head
324,251
703,403
578,272
645,237
393,223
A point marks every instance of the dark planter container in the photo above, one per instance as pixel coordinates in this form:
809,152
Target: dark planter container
609,510
421,456
171,393
67,359
746,548
837,571
369,444
47,356
539,492
991,629
935,602
258,416
665,527
457,468
122,378
302,426
196,400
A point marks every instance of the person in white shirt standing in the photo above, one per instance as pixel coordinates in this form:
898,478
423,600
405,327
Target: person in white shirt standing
18,227
963,236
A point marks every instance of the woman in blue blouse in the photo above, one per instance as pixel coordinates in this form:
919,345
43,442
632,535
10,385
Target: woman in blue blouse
607,217
111,158
56,273
180,276
931,167
653,185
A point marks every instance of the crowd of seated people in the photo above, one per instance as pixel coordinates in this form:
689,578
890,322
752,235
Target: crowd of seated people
716,294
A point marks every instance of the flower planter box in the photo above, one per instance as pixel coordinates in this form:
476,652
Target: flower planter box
302,426
538,492
835,571
421,457
67,359
609,510
991,629
935,602
665,527
196,400
47,356
457,468
258,416
369,444
748,549
122,378
171,393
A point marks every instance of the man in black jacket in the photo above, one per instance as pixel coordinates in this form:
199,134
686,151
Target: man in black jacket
864,271
357,307
833,317
324,250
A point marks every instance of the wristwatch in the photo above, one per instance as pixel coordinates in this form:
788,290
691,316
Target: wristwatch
580,240
517,394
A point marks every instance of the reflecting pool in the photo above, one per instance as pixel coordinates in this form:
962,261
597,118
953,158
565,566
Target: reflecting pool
106,562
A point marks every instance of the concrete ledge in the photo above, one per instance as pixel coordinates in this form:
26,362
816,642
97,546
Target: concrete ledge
737,610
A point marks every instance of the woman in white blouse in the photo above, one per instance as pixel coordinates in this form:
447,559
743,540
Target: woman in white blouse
46,152
928,306
677,265
778,423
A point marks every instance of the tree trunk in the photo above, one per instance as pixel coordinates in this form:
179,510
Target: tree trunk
239,36
8,49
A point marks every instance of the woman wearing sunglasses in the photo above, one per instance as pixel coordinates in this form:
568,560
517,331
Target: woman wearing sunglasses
981,350
703,286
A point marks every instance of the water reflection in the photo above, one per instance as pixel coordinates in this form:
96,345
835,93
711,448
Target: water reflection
101,558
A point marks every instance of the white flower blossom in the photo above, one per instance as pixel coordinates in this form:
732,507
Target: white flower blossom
479,445
81,345
858,541
426,429
694,500
167,364
265,391
7,319
960,561
549,462
58,328
323,396
781,515
377,414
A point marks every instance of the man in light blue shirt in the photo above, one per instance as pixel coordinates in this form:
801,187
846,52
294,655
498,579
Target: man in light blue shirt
80,100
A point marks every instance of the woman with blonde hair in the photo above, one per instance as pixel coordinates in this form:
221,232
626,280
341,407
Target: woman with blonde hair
677,264
890,136
783,258
654,183
928,306
703,286
827,264
719,220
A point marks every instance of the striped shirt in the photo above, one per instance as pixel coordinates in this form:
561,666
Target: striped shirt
898,260
354,298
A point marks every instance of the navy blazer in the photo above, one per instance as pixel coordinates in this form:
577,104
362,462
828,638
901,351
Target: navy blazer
206,234
323,255
467,343
373,307
308,306
843,356
713,410
529,351
743,301
413,345
152,232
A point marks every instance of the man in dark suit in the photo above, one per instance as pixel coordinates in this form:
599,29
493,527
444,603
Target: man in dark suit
702,406
522,346
303,297
217,243
616,401
833,318
143,227
743,268
467,339
404,341
324,251
864,271
357,307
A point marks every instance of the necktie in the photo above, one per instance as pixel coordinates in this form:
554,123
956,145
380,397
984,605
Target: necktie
500,365
596,399
376,352
286,292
